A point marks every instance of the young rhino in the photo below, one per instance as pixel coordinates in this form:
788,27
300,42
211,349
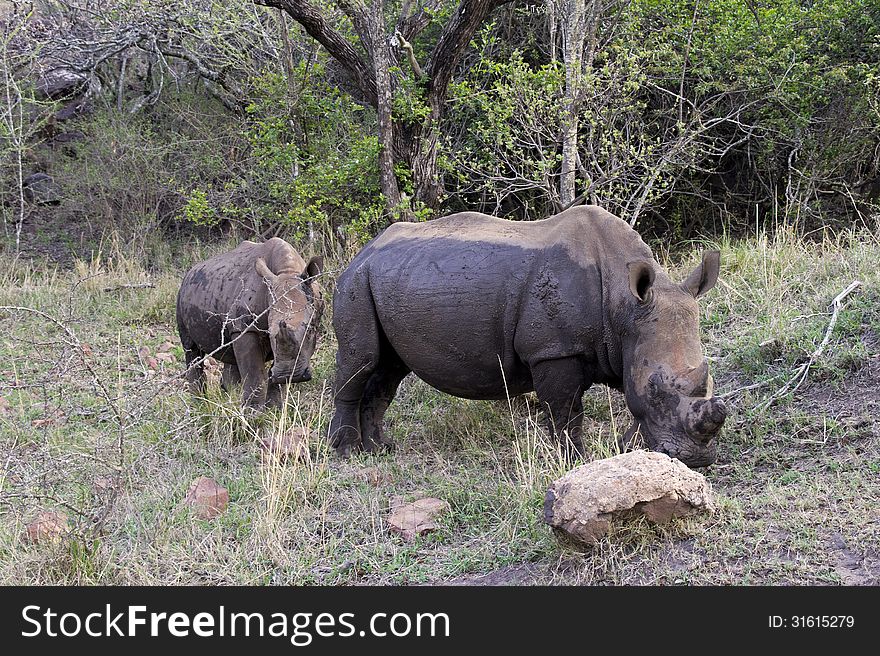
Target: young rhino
256,303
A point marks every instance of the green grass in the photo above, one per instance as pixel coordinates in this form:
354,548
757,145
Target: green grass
796,483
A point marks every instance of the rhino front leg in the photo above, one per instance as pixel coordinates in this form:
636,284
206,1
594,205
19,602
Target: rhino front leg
560,386
277,395
252,367
231,377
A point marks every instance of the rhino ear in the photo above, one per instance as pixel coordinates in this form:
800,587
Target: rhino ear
314,267
641,278
263,270
704,277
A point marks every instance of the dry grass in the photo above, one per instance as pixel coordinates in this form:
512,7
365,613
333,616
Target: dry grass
88,426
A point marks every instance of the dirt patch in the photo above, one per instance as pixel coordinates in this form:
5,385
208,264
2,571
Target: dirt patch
858,394
852,567
524,574
853,405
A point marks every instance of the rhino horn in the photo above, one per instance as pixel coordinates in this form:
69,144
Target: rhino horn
263,269
704,417
698,379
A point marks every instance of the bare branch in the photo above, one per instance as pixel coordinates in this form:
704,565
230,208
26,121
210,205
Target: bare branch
316,24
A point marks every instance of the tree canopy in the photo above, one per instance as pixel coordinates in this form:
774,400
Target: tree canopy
327,119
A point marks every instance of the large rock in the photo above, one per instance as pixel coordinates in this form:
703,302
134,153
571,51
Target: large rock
73,109
581,505
58,83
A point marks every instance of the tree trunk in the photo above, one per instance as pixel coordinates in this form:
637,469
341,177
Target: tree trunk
572,57
381,65
287,51
415,145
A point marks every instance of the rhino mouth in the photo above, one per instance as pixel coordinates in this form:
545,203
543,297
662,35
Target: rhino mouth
692,452
703,456
286,376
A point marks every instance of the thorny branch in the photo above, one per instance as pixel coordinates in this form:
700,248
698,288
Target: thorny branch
800,374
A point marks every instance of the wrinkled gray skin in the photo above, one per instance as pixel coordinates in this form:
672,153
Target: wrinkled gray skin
259,302
483,308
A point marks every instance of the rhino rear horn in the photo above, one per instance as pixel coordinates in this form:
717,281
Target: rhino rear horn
641,278
263,270
704,277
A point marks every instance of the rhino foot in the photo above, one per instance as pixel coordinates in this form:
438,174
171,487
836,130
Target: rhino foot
345,440
377,442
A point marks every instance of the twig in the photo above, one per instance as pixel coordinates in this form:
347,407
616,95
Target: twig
801,374
748,387
139,285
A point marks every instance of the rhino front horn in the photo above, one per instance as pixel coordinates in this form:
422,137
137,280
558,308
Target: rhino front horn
705,417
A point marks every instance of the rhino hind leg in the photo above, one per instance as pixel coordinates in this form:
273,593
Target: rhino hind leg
357,357
195,369
351,381
378,394
560,386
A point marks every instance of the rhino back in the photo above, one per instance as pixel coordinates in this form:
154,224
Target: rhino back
221,296
467,297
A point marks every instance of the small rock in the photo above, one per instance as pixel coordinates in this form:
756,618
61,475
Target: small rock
164,357
165,347
416,518
207,498
5,408
47,527
152,362
212,371
144,352
103,484
41,189
291,444
376,477
580,506
59,83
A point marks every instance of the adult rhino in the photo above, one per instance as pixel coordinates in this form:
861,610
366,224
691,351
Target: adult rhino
484,308
256,303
